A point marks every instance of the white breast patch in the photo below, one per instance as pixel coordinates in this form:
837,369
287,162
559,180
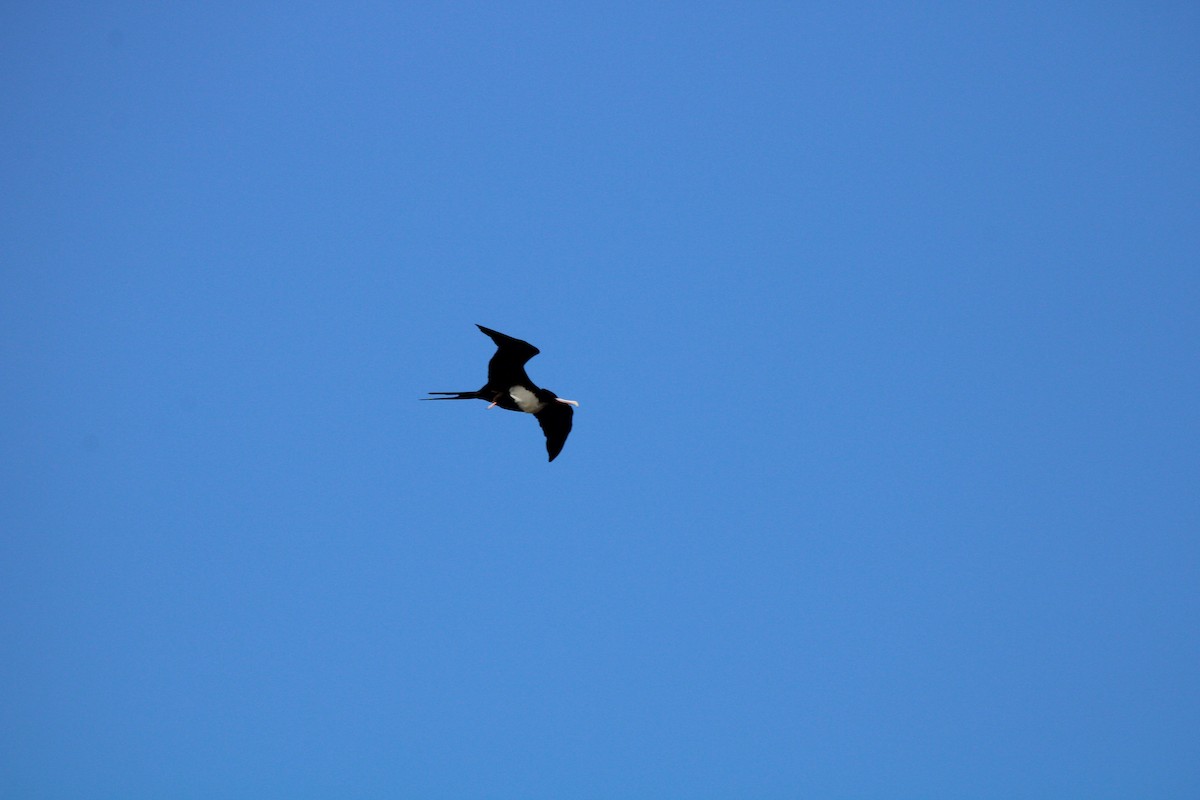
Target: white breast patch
526,400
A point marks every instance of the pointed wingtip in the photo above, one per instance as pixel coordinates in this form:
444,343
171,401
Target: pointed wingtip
494,335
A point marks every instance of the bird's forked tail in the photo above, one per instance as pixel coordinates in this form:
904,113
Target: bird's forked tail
456,396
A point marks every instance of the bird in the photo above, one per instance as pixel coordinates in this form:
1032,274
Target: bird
510,388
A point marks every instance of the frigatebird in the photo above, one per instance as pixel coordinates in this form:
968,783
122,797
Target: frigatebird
509,387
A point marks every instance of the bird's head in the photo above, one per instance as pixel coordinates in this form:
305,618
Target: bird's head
546,396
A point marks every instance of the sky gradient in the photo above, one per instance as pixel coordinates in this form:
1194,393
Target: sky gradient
883,323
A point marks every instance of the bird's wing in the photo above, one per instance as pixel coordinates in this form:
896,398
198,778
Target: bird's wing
555,420
507,367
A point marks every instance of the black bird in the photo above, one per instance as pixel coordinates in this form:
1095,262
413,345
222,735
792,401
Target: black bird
509,387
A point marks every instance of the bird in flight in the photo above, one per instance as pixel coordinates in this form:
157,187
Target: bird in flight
509,387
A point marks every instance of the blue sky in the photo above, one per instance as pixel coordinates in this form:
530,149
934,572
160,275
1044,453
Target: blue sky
883,322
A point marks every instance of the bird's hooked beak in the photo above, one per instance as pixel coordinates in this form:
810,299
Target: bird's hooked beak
568,402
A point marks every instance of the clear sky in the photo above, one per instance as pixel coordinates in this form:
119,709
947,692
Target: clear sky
883,319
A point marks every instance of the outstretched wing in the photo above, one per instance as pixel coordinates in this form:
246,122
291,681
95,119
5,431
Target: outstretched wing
555,419
507,367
